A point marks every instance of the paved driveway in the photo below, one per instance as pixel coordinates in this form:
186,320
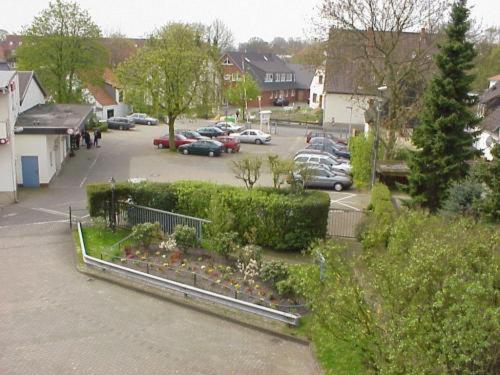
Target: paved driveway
54,320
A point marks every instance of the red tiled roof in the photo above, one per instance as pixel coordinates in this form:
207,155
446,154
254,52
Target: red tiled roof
109,77
101,95
495,78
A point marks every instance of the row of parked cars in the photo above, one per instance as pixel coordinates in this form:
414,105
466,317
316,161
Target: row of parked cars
327,157
213,140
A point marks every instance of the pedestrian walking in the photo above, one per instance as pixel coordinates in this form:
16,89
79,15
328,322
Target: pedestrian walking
77,140
96,139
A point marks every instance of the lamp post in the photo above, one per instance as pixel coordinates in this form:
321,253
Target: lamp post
349,108
112,214
380,89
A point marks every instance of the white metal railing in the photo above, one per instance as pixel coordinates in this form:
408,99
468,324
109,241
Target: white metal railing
187,290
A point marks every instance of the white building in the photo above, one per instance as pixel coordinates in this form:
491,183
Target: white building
107,98
317,90
35,138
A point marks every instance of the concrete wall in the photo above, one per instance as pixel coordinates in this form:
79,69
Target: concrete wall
9,110
318,89
33,97
335,108
50,149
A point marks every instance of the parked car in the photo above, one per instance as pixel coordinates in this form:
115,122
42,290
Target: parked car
229,127
202,147
324,178
143,119
281,102
253,136
337,145
192,134
325,160
325,135
211,132
329,148
179,140
122,123
231,144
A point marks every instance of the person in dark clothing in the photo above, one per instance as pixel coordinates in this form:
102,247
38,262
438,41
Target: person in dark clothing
77,140
96,138
88,141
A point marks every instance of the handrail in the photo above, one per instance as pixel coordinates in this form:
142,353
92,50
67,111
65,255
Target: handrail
266,312
168,212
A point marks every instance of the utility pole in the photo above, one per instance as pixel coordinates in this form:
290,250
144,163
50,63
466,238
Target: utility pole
381,89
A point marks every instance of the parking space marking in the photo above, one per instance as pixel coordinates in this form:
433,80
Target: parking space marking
90,169
339,201
53,212
36,223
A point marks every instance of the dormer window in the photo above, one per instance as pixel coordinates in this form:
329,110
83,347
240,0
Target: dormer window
227,61
320,79
277,77
283,77
289,77
269,77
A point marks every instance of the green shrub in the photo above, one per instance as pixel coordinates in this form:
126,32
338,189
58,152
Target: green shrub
224,243
360,148
464,198
185,237
282,220
274,271
144,234
103,127
249,252
381,216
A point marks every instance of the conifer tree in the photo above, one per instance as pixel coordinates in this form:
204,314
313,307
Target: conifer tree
445,134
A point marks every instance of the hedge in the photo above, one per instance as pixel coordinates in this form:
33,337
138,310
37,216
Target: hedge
282,220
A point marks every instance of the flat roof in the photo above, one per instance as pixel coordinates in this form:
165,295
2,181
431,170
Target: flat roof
54,118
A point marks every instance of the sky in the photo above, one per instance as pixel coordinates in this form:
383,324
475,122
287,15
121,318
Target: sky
248,18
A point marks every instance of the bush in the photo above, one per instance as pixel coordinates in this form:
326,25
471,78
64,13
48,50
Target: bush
282,220
185,237
144,234
383,213
464,199
103,127
360,147
224,243
274,271
249,252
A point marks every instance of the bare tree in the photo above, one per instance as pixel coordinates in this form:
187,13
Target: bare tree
247,170
219,36
388,42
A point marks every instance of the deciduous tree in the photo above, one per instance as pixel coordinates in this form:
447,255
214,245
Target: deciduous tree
242,92
62,46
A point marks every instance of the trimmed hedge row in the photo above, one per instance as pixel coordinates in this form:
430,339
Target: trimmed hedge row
282,220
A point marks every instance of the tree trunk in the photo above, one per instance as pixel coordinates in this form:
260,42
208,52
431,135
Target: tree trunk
171,132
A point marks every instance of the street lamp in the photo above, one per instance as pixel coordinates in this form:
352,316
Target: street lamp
380,89
112,214
349,108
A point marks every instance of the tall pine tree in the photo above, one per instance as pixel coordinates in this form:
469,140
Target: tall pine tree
444,136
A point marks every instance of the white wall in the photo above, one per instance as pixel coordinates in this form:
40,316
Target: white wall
318,89
9,109
33,97
335,107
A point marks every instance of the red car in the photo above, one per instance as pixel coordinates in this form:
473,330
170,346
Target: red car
231,144
162,142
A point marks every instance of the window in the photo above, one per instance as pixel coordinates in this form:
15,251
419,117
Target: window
277,77
283,77
289,77
314,160
234,76
320,79
293,93
302,159
269,77
227,77
51,159
315,98
120,96
227,61
272,95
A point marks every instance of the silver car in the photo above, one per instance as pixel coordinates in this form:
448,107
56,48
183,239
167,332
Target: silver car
325,160
323,178
253,136
143,119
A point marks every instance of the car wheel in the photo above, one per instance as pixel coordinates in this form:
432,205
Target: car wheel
338,186
229,150
121,127
258,142
185,151
211,154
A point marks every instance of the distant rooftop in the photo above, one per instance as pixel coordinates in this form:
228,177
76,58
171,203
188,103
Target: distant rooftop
5,77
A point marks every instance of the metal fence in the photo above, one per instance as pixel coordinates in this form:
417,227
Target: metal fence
344,223
128,215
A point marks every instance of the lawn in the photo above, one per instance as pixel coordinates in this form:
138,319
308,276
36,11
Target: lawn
299,115
99,241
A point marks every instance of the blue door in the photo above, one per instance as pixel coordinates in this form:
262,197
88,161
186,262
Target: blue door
29,165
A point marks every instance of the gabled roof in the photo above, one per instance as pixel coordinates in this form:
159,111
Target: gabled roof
491,93
266,62
109,77
491,121
5,77
25,79
101,95
304,75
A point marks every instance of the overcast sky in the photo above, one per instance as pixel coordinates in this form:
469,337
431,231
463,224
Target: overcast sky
263,18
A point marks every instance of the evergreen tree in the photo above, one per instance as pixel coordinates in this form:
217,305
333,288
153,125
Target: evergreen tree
444,136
